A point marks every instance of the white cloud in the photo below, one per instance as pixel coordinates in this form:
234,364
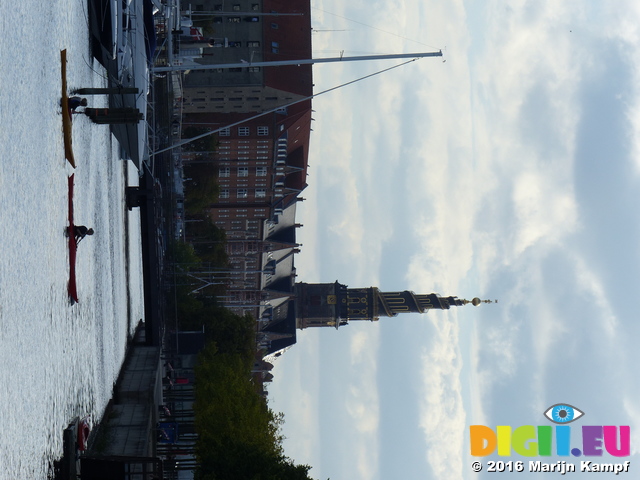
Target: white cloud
362,403
628,32
545,211
489,153
633,413
295,392
591,287
442,415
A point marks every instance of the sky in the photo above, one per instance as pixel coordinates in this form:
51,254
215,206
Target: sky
508,169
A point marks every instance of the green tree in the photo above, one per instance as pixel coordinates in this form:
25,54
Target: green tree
201,187
205,144
183,260
208,241
238,435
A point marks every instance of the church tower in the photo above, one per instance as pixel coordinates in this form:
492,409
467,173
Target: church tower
334,305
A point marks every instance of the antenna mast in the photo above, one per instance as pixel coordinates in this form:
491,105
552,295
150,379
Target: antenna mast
305,61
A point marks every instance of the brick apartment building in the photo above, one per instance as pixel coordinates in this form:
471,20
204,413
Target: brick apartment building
261,163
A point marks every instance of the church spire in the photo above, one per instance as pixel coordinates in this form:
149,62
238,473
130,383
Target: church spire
333,304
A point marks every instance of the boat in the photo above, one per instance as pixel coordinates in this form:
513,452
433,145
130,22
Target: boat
75,438
124,42
103,19
66,112
84,429
73,246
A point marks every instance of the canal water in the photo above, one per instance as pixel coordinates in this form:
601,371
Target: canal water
58,360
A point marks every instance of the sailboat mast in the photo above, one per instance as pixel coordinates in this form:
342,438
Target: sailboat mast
305,61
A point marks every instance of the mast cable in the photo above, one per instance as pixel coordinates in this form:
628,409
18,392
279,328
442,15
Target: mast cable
198,137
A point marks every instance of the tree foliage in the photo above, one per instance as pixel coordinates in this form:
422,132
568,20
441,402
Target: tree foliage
238,435
208,241
204,144
201,187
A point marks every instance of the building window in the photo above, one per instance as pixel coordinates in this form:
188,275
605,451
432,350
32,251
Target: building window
274,26
224,171
224,193
233,19
261,192
225,132
243,131
253,44
263,131
255,7
261,171
236,8
243,171
242,193
254,69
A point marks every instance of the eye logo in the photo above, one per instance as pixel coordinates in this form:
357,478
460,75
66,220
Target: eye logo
563,413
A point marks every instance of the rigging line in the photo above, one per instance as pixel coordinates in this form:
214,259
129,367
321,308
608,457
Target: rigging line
376,28
198,137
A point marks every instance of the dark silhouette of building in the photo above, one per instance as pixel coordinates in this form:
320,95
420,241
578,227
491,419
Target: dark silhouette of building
335,305
261,163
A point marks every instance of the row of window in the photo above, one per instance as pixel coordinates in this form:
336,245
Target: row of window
250,44
237,19
242,171
223,99
242,213
232,70
242,149
235,7
244,131
223,156
244,193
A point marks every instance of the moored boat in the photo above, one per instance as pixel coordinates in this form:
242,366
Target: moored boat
84,429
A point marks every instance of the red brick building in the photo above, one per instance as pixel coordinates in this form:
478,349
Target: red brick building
262,162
